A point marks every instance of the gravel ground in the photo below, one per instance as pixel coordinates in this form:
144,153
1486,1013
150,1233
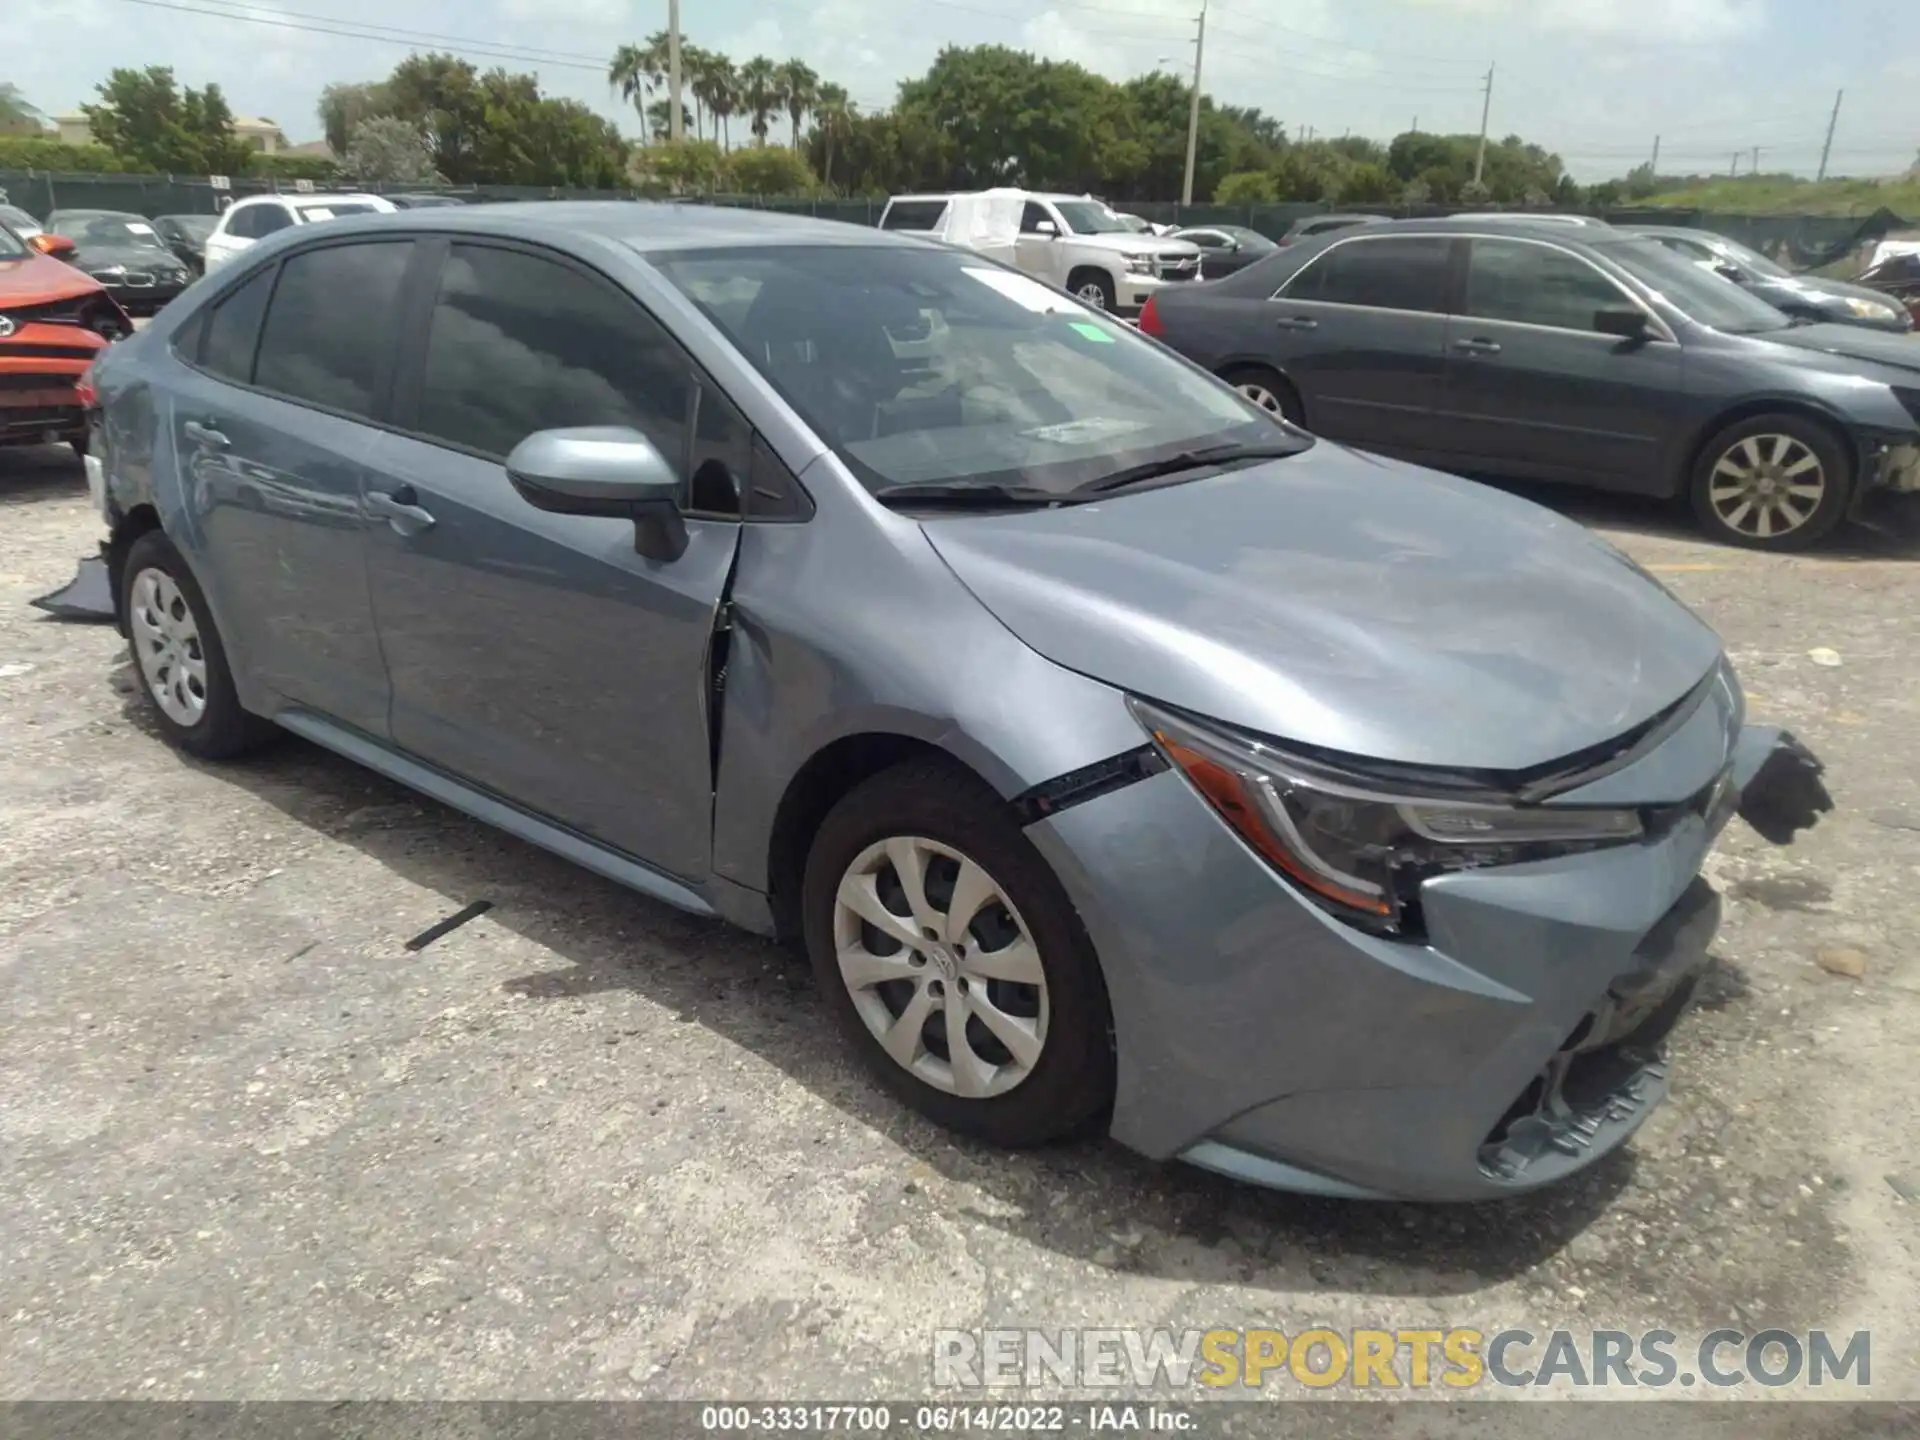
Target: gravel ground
585,1146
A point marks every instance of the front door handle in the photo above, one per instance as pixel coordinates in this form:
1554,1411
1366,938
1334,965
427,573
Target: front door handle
1477,347
1297,322
401,509
205,434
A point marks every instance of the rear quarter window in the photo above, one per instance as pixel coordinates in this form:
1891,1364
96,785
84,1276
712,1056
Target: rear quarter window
913,215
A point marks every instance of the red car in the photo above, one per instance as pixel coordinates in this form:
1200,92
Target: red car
53,320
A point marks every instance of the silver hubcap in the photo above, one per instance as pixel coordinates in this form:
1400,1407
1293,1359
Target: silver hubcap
166,641
941,967
1767,486
1263,397
1091,294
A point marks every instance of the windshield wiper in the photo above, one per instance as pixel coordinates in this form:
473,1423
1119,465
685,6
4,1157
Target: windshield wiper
960,492
1211,455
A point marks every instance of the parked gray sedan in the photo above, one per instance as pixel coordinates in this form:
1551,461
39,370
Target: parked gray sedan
1548,351
1121,755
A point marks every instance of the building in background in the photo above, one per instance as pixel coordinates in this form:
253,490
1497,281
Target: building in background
255,132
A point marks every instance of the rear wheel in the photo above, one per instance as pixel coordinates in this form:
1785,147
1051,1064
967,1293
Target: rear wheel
177,651
1772,482
1268,389
953,960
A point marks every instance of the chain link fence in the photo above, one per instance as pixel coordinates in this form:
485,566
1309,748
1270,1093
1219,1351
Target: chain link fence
1802,241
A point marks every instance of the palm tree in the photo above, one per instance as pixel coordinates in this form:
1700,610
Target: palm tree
693,60
761,94
802,89
636,71
834,112
719,86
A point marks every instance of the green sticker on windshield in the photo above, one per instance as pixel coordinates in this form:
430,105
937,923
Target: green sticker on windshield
1092,331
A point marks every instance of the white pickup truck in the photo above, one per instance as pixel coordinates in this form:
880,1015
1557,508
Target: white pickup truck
1073,241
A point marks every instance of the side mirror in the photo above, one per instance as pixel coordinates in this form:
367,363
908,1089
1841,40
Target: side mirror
1729,271
604,470
1045,227
1629,322
58,246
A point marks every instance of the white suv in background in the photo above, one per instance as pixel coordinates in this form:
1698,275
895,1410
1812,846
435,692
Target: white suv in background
246,221
1073,241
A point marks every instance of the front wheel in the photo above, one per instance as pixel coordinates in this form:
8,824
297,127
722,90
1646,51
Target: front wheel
1268,389
1772,482
953,960
1093,287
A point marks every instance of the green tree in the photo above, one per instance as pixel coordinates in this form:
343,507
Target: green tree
636,71
800,89
442,95
146,118
386,150
770,170
1245,187
760,94
344,107
693,167
833,113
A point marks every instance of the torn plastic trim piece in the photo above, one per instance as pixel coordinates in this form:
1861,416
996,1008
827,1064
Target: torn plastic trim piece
87,597
1089,782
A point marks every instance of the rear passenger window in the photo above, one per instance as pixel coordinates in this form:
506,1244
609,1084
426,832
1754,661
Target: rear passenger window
520,343
913,215
269,218
233,330
329,335
1398,273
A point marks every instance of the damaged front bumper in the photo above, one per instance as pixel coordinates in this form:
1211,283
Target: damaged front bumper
1518,1042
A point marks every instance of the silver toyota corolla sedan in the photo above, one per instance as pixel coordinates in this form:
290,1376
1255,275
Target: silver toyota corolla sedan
1122,756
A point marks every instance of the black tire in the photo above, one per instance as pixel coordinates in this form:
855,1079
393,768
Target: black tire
1070,1086
224,730
79,444
1717,512
1089,279
1271,382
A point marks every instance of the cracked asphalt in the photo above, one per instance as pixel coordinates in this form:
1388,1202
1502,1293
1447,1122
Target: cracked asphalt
586,1147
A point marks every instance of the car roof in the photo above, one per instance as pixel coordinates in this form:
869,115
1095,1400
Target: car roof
89,212
640,224
1514,225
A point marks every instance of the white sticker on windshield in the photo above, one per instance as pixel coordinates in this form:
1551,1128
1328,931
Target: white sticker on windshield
316,212
137,228
1086,431
1020,289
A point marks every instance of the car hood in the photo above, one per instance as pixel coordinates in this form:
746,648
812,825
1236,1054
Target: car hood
1136,244
1815,290
40,278
1347,602
94,256
1896,350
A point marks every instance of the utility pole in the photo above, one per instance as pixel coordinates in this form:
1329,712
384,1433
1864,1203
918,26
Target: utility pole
1193,111
1654,167
1827,149
675,120
1486,107
1756,161
1735,171
1416,125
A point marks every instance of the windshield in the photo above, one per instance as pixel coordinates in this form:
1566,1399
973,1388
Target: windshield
194,227
12,247
927,367
106,229
1698,293
1752,259
1090,217
18,221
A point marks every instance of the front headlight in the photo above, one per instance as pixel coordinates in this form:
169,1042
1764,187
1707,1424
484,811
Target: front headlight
1871,309
1360,846
1138,264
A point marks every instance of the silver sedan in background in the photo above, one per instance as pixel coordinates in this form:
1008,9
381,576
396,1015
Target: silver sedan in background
1122,755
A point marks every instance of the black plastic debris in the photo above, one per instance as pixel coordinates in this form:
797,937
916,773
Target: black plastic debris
451,923
1787,795
88,597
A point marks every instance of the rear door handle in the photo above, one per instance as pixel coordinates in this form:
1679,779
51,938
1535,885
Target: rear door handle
1477,347
1297,322
205,435
401,509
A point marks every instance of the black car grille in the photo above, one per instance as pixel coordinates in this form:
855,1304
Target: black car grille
96,312
16,384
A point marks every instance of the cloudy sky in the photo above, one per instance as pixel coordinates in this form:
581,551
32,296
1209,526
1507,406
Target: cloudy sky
1596,80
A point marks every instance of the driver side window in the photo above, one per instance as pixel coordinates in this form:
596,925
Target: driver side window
1031,217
